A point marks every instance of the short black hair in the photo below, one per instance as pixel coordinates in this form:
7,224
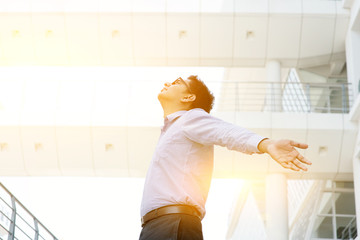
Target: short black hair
204,98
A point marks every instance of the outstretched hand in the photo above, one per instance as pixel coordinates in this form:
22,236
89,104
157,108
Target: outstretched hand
285,153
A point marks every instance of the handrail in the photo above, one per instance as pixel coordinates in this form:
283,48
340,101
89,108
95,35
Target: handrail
350,231
11,231
287,96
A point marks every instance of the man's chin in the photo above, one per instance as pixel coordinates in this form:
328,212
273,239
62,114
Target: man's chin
162,96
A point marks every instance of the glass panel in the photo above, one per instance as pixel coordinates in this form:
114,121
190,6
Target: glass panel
294,98
325,204
323,228
344,185
345,203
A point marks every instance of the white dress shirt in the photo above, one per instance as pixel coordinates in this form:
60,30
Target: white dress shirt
181,168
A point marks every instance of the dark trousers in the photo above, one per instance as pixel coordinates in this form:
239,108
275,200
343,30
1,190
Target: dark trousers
173,227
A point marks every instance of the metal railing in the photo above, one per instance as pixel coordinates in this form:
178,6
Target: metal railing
17,222
350,231
285,97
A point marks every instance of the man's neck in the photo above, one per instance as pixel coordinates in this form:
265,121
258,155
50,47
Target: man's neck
170,107
168,111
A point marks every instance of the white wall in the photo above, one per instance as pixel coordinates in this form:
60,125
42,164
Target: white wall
353,47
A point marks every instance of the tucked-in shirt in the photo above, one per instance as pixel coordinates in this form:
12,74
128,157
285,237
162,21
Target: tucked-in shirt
182,165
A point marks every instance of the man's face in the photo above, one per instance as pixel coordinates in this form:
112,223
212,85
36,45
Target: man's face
176,90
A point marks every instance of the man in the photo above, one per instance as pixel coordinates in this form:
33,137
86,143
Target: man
179,176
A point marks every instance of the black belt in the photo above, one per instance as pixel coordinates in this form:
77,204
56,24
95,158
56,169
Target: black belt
170,209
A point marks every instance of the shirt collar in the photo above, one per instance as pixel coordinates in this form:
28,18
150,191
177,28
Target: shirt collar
170,118
174,115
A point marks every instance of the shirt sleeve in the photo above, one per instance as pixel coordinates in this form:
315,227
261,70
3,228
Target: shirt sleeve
205,129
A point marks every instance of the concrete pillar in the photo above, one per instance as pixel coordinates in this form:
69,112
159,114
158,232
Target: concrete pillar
277,225
274,92
356,175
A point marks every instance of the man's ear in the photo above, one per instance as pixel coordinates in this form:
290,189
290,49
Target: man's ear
189,98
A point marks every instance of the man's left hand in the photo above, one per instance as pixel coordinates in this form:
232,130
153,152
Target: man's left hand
285,153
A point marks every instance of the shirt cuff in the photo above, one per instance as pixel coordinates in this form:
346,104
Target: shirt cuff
254,143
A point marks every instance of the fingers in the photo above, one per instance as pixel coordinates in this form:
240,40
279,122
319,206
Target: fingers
297,155
290,166
289,157
294,166
299,145
285,165
303,159
299,165
295,162
298,160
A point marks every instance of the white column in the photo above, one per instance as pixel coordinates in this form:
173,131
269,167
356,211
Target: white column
353,74
276,207
356,175
274,93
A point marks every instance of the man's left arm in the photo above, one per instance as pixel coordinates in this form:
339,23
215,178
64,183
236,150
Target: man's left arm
285,153
205,129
